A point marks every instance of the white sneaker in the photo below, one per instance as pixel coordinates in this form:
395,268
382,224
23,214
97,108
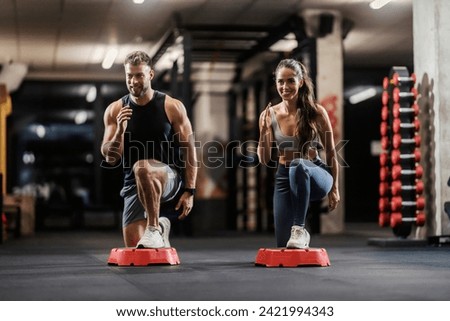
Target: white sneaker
152,239
299,238
164,223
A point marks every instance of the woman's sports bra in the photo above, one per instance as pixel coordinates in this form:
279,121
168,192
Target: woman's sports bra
289,143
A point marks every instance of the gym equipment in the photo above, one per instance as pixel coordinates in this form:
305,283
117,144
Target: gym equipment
384,157
399,96
397,110
384,219
398,171
397,156
398,140
282,257
384,173
143,257
397,79
397,219
397,203
400,174
383,204
397,187
384,113
398,125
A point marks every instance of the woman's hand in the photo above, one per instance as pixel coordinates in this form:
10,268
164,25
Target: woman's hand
333,199
267,119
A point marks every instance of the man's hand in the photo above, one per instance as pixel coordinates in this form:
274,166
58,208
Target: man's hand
186,202
123,117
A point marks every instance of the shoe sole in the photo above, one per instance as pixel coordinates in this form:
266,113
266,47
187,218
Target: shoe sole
165,226
288,246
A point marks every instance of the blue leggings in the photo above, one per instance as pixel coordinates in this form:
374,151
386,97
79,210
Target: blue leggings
295,186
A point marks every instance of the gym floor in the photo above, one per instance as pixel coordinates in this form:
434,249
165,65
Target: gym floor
72,265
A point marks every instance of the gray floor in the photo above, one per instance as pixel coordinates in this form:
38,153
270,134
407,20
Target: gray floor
73,266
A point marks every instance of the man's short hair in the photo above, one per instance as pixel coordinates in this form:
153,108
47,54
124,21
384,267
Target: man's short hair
136,58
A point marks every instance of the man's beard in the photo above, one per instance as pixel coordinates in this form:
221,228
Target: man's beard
139,94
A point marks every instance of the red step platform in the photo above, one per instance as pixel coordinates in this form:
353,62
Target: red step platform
143,257
282,257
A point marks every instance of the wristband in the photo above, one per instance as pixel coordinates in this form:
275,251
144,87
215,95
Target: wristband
190,190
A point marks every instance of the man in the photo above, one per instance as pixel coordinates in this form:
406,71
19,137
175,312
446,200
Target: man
147,130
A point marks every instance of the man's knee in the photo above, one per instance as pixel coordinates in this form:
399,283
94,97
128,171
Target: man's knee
149,170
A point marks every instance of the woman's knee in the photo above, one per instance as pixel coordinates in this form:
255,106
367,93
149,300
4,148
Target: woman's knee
300,167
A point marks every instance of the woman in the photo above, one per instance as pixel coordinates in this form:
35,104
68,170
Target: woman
295,126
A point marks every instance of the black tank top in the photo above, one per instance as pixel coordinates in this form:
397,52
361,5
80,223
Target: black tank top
149,135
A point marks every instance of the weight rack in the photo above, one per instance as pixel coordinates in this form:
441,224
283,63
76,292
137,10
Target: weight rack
401,202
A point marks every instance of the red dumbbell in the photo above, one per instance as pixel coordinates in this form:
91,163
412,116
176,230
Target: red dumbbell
420,219
385,98
397,79
397,187
397,110
397,125
397,203
384,128
383,204
397,140
385,142
383,219
385,83
384,157
384,113
395,219
398,171
384,189
397,156
384,173
398,95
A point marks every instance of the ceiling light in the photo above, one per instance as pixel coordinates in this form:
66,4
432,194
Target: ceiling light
91,94
40,131
362,95
287,44
138,1
110,57
28,158
12,74
81,117
377,4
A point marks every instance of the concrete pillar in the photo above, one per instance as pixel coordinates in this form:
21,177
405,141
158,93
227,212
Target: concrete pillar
330,88
431,28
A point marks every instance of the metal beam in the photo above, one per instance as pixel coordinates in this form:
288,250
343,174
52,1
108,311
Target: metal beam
294,24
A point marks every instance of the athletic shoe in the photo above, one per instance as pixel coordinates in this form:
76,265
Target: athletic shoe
152,239
164,223
299,238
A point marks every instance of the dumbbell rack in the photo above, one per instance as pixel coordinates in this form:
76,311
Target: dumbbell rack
401,202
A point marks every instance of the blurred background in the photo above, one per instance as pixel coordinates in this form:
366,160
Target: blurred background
62,65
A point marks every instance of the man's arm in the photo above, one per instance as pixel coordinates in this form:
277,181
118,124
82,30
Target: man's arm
183,129
115,119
